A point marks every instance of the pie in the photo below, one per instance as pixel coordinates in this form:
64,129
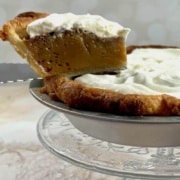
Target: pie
149,86
67,44
84,68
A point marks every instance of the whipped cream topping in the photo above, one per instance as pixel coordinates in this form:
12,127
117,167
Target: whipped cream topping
91,23
149,72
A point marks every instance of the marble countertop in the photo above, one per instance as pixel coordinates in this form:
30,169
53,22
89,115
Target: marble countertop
21,154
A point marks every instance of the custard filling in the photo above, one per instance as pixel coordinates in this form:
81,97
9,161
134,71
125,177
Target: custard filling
69,44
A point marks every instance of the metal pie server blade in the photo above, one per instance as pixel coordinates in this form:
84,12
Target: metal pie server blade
16,72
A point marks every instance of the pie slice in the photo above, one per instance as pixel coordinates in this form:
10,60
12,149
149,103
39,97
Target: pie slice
67,44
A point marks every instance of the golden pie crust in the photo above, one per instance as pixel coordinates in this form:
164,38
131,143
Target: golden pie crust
78,95
72,53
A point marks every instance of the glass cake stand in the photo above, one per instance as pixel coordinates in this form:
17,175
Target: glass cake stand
126,146
59,136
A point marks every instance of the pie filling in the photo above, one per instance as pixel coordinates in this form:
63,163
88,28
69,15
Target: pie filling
149,72
70,45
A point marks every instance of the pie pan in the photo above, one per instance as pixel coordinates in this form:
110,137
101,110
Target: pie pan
142,131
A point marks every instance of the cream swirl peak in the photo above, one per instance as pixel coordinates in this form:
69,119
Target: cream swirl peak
91,23
149,72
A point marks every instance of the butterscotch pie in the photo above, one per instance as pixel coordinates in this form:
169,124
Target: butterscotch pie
149,86
81,60
67,44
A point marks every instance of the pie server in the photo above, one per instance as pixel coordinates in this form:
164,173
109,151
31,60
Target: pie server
16,72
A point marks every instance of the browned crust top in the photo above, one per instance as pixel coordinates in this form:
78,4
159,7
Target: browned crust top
131,48
19,24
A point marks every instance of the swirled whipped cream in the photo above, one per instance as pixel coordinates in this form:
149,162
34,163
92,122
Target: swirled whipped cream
91,23
149,72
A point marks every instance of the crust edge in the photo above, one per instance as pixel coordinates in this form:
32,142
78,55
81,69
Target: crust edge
87,98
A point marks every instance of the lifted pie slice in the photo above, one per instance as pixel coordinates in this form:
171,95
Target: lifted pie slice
67,44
